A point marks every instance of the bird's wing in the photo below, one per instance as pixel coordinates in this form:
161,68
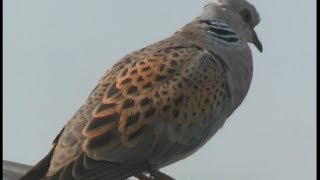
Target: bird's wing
149,107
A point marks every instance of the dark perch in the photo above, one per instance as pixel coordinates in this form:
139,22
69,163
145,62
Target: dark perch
12,170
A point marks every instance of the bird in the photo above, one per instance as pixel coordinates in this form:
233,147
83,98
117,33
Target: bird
160,104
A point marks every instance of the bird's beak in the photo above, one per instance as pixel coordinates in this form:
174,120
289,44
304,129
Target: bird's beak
256,41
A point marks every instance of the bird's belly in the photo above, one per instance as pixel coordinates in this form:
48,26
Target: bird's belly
173,145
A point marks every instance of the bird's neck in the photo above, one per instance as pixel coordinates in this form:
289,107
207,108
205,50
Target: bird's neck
211,34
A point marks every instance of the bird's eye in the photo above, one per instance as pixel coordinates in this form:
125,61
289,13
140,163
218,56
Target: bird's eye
246,15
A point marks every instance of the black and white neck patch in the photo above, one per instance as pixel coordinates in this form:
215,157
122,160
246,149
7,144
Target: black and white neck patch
221,32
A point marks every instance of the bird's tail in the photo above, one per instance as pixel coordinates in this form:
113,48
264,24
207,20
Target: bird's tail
39,170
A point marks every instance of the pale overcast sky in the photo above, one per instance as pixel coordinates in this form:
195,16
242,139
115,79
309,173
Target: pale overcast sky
55,52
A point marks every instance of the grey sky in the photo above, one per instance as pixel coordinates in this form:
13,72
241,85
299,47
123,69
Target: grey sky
55,52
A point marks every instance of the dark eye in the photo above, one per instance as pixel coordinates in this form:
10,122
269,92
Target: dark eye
246,15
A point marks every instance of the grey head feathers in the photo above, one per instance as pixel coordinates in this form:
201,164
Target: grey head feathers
239,15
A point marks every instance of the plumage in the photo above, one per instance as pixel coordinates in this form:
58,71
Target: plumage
161,103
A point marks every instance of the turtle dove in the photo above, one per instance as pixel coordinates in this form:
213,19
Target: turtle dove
160,104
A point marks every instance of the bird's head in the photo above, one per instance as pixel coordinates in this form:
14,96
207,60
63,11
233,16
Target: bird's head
238,14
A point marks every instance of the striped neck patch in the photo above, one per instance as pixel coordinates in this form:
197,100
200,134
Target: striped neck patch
221,32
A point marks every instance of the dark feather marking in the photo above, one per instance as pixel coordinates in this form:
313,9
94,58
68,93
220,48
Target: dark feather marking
222,31
125,81
149,113
133,72
157,95
139,79
173,62
145,69
103,139
229,39
133,119
112,90
135,134
103,107
134,64
132,90
145,101
179,100
98,122
128,103
149,84
150,75
141,63
124,72
160,78
162,66
210,22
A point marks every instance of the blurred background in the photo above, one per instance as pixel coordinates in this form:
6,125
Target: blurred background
55,52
